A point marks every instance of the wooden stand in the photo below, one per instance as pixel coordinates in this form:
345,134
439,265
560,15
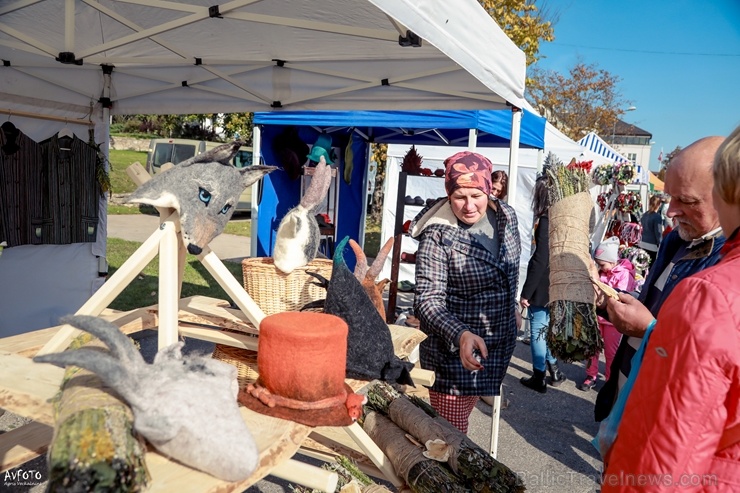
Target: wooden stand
281,438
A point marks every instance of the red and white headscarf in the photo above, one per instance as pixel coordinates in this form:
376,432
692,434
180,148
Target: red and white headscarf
468,170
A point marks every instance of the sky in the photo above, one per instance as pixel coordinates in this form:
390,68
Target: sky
679,61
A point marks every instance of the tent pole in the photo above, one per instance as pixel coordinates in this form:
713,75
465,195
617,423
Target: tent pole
256,153
516,121
472,139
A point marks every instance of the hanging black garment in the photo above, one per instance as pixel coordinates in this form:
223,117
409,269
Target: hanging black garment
73,189
21,188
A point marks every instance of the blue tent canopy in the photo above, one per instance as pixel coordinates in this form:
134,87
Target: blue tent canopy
280,193
419,127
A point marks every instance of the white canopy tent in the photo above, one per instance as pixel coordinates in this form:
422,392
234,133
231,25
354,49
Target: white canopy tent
76,62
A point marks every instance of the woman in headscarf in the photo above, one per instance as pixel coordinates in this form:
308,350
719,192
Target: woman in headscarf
499,184
467,268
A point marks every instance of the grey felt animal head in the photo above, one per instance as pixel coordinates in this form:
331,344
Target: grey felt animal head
204,190
185,406
298,234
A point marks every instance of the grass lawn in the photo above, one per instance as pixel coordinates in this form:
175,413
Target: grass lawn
119,161
143,290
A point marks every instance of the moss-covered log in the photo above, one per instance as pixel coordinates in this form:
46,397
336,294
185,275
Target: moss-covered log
476,468
421,474
94,448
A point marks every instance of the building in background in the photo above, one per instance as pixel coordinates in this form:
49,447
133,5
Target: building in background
632,142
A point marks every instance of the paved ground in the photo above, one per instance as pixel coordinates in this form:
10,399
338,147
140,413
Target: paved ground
544,437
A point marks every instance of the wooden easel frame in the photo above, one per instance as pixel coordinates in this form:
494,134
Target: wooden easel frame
168,243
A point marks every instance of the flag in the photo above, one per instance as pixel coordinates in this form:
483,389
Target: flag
660,156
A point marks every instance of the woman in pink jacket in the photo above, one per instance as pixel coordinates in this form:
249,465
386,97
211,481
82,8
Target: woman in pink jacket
619,274
680,430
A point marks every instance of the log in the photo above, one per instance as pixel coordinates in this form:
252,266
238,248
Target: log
477,469
422,475
94,447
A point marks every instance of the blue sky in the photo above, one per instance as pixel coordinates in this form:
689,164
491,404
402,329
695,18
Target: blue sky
679,61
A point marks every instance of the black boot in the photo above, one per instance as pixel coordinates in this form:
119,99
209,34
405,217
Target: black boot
536,381
556,376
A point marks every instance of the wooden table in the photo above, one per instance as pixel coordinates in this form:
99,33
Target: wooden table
26,387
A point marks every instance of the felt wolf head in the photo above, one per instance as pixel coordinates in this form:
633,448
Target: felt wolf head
204,190
184,406
298,235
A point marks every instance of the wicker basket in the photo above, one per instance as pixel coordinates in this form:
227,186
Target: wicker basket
244,360
277,292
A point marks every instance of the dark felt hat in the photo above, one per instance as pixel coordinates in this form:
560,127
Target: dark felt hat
301,363
289,150
370,353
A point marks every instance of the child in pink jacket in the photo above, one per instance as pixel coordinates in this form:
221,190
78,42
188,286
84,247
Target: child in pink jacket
619,274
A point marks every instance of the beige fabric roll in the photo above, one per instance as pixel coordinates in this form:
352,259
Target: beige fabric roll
569,249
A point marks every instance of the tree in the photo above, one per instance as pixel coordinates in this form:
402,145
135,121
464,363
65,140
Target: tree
586,100
523,22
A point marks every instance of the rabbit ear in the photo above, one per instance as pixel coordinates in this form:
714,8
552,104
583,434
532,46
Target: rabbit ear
121,347
361,266
96,360
319,185
377,266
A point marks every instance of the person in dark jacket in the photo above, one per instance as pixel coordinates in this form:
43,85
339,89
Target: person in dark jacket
653,224
535,295
467,268
692,246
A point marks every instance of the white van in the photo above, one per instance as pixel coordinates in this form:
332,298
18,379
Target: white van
175,151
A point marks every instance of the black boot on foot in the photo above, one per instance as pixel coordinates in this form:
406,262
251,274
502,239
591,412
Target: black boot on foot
536,381
556,376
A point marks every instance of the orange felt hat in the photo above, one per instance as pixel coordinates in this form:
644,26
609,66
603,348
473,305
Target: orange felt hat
301,360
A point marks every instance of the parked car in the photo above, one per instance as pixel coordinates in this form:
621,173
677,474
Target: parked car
175,151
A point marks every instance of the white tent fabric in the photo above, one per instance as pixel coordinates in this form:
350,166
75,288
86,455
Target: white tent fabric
248,55
81,61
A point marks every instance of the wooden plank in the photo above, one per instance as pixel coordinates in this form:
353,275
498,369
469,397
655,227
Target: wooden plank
277,440
316,450
233,288
168,287
26,387
29,343
25,443
220,337
108,291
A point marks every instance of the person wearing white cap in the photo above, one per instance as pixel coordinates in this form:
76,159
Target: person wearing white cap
619,274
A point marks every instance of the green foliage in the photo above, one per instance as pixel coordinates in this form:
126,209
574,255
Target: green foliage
523,22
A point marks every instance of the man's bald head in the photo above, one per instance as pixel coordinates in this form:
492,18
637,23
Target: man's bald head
688,180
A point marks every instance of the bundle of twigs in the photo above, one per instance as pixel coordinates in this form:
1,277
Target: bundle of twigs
472,467
573,333
351,478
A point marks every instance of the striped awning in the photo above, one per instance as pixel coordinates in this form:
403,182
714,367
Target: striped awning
596,144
